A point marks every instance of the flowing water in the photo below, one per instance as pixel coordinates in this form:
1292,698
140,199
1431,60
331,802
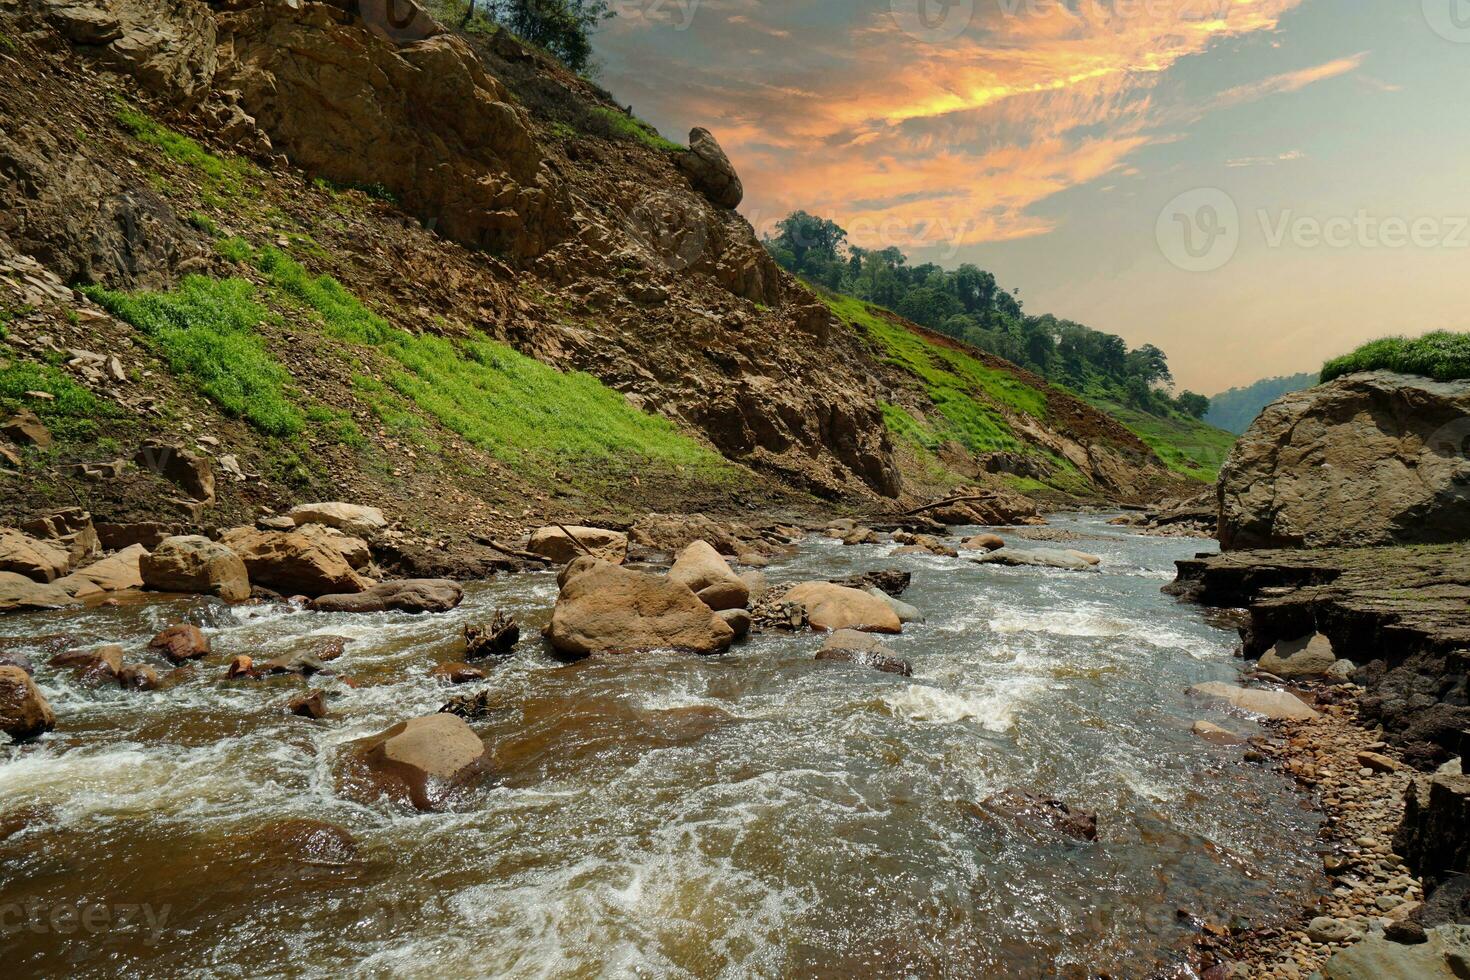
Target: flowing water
754,814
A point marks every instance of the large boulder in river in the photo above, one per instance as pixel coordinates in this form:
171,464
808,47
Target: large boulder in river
39,560
1069,561
835,607
604,608
1368,459
424,761
293,563
353,519
701,570
18,593
24,712
195,564
553,543
414,595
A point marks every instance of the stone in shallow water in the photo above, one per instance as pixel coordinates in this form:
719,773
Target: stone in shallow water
425,762
1032,809
1279,705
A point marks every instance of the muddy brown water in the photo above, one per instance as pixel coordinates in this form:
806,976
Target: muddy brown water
754,814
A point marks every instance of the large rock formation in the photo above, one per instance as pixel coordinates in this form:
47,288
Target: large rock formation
710,171
1369,459
604,608
192,563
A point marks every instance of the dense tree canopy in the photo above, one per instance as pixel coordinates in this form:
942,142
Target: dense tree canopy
969,305
562,27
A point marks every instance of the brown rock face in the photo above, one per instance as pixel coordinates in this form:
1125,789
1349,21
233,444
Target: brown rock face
117,573
196,564
181,643
25,429
834,607
1434,837
24,713
423,761
102,665
19,593
701,570
357,520
710,171
1368,459
191,472
40,561
604,608
293,563
422,119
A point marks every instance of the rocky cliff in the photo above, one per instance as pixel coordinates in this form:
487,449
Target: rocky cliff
396,200
1369,459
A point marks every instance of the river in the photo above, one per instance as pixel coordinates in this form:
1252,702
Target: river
754,814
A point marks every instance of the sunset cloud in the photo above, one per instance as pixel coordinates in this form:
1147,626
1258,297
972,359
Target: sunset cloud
911,141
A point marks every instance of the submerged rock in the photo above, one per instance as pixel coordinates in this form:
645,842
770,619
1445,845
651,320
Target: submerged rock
425,762
1029,808
415,595
24,711
835,607
1039,558
457,673
1279,705
102,665
863,650
604,608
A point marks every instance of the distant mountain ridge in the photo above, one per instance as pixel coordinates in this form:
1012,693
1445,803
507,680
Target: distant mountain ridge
1236,409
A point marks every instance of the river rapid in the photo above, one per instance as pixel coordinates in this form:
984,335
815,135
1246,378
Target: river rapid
753,814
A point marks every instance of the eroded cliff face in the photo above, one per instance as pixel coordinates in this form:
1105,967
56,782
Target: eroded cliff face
1369,459
620,257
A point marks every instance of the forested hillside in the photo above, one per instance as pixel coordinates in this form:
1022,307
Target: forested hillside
1236,409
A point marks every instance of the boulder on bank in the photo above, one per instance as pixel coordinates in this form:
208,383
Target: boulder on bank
195,564
424,762
24,712
1309,656
701,570
117,573
71,530
1038,558
293,563
831,607
354,551
605,608
1278,705
554,544
353,519
19,593
415,595
1373,458
40,561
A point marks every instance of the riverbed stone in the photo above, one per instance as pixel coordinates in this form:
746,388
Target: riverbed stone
40,561
1307,656
1214,734
702,570
311,704
306,841
24,711
1036,810
116,573
424,762
863,650
739,621
192,563
420,595
1038,558
19,594
605,608
1279,705
293,563
457,673
181,643
1444,956
99,665
553,543
354,519
983,542
834,607
906,613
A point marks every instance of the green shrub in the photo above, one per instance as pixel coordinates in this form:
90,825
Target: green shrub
206,330
619,125
1441,355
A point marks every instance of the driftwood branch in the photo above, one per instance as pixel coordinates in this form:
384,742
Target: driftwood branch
965,498
575,540
514,552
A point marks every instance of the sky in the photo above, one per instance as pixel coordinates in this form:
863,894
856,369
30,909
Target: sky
1251,185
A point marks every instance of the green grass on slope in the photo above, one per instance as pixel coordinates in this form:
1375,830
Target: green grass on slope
72,411
1442,355
226,175
1188,447
206,331
524,412
955,382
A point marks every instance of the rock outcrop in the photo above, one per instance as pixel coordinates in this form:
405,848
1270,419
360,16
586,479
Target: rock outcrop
293,563
604,608
710,171
37,560
1434,837
355,520
1368,459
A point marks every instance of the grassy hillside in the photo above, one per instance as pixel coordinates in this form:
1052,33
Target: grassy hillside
1188,447
1236,409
